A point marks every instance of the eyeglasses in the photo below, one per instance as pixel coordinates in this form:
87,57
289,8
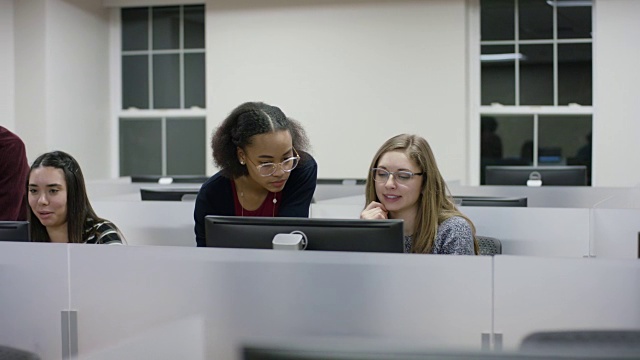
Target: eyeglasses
401,177
268,169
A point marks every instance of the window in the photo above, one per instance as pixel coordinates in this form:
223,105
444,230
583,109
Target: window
535,82
162,119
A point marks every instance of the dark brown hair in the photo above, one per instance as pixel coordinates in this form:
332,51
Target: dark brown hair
78,206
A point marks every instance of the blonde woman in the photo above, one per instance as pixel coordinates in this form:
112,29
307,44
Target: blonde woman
405,183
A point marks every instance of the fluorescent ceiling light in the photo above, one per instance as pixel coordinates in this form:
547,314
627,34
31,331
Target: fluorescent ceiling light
502,57
569,3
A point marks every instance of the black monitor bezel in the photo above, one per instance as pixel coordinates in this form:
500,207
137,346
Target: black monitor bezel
518,175
498,201
17,231
389,233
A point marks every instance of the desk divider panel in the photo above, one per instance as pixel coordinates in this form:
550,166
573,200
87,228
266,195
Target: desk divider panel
547,294
207,302
615,233
151,222
34,290
534,231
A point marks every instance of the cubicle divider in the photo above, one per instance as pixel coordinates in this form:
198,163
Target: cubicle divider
545,196
559,221
205,303
550,294
535,231
151,222
134,302
225,297
34,293
616,226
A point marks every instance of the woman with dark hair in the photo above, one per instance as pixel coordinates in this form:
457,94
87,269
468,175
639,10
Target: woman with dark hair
265,169
405,183
59,209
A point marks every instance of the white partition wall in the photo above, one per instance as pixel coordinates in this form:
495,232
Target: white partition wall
139,302
151,222
538,294
534,231
616,233
222,298
34,290
616,226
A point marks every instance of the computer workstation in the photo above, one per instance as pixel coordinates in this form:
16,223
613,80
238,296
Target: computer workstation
319,234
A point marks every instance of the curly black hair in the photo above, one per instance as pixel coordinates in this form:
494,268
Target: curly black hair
245,121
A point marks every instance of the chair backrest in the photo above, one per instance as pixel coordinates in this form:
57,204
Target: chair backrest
489,245
586,342
9,353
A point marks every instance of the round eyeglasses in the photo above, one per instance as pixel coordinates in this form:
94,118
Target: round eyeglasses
268,169
401,177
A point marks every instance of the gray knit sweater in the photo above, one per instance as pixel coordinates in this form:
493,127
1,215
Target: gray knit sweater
454,237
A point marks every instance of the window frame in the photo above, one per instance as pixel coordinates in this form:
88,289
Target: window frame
476,110
115,79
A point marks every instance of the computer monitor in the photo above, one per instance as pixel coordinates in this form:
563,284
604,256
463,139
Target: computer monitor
14,231
373,351
321,234
490,201
168,194
183,179
548,175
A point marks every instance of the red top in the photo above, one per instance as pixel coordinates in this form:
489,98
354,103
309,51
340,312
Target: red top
269,207
14,169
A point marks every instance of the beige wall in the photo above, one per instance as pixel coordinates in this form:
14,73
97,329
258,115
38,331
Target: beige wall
354,72
616,130
62,77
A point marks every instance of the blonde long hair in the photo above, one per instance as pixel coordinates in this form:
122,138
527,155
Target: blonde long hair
435,203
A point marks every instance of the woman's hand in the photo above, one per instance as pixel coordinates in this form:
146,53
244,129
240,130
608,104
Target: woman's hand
374,210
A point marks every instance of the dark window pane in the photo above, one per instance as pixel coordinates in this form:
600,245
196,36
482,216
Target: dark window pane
135,81
135,29
574,22
536,75
194,79
535,19
497,20
575,75
186,146
565,140
194,27
515,134
166,81
140,147
498,76
166,27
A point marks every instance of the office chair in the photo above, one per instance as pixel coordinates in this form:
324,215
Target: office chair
614,343
489,245
9,353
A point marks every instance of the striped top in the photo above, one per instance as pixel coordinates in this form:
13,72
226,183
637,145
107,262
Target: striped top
102,232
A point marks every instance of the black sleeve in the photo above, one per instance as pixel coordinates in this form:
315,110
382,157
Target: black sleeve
214,198
298,192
